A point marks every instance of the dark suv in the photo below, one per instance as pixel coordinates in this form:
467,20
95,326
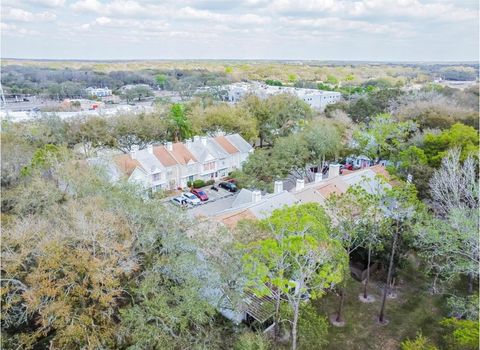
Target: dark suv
228,186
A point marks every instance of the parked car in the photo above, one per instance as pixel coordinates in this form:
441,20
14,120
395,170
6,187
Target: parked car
231,187
201,194
180,201
191,198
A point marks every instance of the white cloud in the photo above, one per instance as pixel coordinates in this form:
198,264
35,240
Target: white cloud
377,9
126,8
19,15
103,20
254,28
14,30
47,3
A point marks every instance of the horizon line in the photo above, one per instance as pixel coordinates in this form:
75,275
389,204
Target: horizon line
237,59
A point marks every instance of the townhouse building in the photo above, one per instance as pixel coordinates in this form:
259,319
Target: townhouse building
172,165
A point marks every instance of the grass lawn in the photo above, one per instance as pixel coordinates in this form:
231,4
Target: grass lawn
414,309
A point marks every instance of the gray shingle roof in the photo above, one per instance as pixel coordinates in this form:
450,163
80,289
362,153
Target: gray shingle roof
239,143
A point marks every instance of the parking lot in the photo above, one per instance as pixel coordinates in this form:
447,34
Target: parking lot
213,196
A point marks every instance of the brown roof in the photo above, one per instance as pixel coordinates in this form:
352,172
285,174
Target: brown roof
327,191
164,156
226,145
126,164
181,153
231,220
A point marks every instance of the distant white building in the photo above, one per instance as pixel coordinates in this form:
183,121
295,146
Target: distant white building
98,92
317,99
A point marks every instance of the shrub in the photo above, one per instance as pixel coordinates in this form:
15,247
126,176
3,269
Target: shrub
252,341
196,183
313,328
419,343
461,334
209,182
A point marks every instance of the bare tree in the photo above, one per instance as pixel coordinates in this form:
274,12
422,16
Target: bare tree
454,185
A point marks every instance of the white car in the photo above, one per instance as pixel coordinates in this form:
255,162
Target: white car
180,201
191,198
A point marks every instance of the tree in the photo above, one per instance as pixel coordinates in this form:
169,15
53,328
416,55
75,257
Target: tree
449,242
224,118
292,156
161,80
277,116
399,206
179,124
462,334
455,185
465,138
347,210
61,277
450,246
137,92
323,141
302,258
383,137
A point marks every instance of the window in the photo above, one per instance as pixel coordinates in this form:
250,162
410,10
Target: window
209,166
156,177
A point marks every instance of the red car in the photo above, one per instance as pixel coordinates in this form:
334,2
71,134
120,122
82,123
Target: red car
201,194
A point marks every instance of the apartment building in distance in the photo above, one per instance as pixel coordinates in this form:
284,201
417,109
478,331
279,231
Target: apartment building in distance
317,99
98,92
172,165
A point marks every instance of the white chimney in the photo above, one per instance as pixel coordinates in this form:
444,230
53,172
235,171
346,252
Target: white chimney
256,196
333,170
133,151
196,138
170,146
318,177
204,140
300,184
150,149
278,187
188,143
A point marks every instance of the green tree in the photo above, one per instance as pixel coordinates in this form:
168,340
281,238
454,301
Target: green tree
462,334
399,206
137,92
277,116
161,80
459,136
301,259
222,117
179,125
383,137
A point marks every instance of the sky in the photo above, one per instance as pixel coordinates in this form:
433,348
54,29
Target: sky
362,30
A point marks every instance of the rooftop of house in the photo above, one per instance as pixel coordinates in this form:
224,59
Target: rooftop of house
181,153
153,158
126,164
226,145
244,206
164,156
